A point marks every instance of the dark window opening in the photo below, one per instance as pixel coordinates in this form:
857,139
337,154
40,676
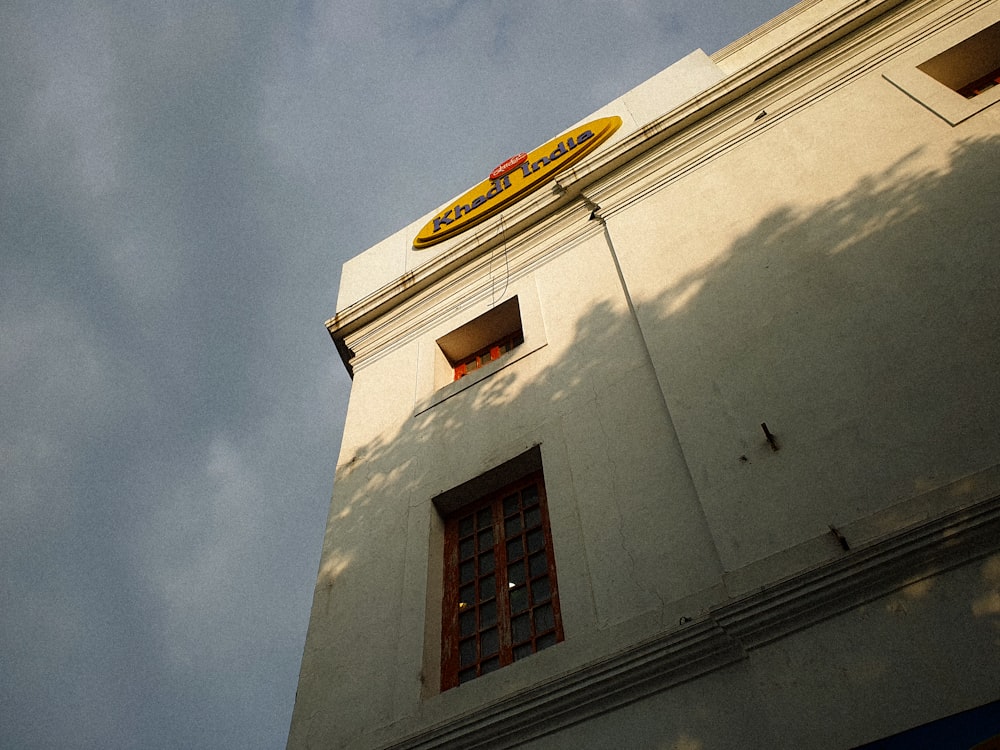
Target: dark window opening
970,67
483,340
980,85
501,602
488,353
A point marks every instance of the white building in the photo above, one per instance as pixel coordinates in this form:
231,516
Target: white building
726,422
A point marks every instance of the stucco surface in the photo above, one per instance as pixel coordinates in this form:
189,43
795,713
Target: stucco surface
817,254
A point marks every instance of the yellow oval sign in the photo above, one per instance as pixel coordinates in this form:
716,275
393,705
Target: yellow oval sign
492,196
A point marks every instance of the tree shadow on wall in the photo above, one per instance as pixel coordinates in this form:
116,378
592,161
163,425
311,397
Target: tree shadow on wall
863,331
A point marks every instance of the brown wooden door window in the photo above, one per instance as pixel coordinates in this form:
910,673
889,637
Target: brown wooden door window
500,602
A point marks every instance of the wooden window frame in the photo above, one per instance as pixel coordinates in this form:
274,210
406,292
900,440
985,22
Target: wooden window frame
509,616
488,353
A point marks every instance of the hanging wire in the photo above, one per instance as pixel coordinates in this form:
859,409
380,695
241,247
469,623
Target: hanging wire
506,260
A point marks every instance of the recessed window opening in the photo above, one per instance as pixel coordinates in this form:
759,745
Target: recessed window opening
970,67
483,340
500,597
487,354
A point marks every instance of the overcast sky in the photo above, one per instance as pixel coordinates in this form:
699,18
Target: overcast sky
179,186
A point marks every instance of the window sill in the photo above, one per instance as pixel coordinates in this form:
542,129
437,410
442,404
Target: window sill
947,104
477,376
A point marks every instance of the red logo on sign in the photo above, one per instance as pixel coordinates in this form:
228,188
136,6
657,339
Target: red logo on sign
512,163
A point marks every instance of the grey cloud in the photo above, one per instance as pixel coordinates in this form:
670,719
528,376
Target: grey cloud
178,188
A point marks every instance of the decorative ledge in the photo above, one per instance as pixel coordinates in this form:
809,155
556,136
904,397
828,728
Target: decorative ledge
723,636
492,233
647,668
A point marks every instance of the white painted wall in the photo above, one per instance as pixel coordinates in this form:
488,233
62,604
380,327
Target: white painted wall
830,269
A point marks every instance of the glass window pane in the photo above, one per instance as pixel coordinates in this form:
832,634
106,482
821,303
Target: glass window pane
467,571
466,595
465,526
485,540
484,518
487,615
520,629
541,591
538,564
536,540
518,600
489,642
512,526
487,588
511,505
524,650
492,665
467,652
529,495
515,573
544,618
533,518
467,622
466,674
486,563
515,549
545,641
465,548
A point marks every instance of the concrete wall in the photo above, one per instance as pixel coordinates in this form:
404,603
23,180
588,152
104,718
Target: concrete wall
829,269
876,671
836,278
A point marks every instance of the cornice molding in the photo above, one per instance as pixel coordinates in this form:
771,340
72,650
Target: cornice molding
659,154
763,30
725,635
569,184
690,148
468,284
